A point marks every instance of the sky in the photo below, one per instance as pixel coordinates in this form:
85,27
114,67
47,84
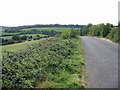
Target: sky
29,12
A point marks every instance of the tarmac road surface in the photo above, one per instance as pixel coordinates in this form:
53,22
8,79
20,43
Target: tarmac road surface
101,59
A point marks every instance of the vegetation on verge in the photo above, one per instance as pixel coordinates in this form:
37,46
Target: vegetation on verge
50,63
102,30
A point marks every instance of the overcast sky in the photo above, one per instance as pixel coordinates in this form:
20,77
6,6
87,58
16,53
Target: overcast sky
28,12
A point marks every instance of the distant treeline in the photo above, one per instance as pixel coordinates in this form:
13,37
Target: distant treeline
53,25
102,30
19,28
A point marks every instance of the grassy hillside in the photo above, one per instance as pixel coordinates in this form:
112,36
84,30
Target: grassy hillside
19,46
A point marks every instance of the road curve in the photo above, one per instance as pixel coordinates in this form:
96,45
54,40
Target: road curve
101,59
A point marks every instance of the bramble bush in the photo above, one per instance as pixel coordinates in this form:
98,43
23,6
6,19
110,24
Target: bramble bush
44,65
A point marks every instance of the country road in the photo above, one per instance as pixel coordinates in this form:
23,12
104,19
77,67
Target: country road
101,58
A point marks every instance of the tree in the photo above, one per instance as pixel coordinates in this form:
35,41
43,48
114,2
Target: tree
89,25
72,33
16,37
106,29
92,30
119,32
38,36
24,37
88,28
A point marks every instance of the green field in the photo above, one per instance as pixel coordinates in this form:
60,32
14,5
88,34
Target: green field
9,34
48,28
18,46
33,35
5,37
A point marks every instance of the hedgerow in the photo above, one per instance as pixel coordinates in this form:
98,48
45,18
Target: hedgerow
52,63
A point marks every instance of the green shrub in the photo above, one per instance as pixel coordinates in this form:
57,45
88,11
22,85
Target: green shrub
71,33
42,63
113,35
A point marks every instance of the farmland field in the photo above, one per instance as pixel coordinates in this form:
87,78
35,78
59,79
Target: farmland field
33,35
44,28
19,46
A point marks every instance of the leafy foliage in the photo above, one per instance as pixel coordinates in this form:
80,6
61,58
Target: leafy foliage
101,30
51,63
72,33
113,35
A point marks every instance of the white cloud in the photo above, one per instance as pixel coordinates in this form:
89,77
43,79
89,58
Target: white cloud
26,12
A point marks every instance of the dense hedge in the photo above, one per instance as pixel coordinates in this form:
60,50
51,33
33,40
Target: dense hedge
44,65
102,30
